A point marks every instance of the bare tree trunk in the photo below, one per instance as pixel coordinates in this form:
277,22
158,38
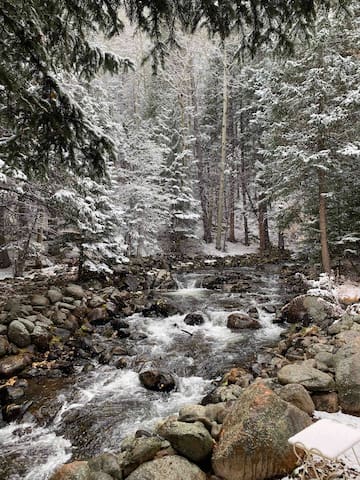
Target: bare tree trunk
325,256
264,239
5,261
231,206
281,241
220,211
206,209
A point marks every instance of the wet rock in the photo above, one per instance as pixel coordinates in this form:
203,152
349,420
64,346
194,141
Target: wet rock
119,323
239,321
62,333
254,440
75,291
308,309
326,402
10,394
3,330
161,308
72,471
107,463
157,380
4,346
194,319
121,363
39,301
98,316
170,467
269,308
54,295
18,334
14,364
14,411
297,395
310,378
192,440
41,338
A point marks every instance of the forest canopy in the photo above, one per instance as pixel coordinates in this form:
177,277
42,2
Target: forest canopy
41,126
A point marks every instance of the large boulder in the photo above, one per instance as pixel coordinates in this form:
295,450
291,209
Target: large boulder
254,440
13,364
311,378
19,334
347,376
171,467
157,380
239,321
192,440
73,471
308,309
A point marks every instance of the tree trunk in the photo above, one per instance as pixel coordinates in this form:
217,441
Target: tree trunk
206,210
220,211
264,239
325,256
281,241
243,185
5,261
232,134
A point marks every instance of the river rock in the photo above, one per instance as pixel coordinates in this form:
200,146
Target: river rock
239,321
311,378
4,346
254,440
297,395
107,463
96,301
98,316
18,334
308,309
157,380
194,319
137,451
171,467
347,375
326,402
73,471
75,291
13,364
39,300
41,338
100,476
54,295
28,324
222,394
192,440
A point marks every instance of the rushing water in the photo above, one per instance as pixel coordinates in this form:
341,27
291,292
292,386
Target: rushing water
101,407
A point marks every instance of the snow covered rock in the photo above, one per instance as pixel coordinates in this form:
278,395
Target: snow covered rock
308,309
253,443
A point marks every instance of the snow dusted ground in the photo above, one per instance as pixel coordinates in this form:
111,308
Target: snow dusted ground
348,458
232,249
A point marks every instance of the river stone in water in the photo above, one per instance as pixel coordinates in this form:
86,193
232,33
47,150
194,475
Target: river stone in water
239,321
192,440
171,467
73,471
157,380
298,395
18,334
194,319
254,440
311,378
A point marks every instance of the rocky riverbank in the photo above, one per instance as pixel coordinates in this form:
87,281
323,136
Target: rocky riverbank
241,428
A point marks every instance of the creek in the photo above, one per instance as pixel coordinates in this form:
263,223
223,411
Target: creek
94,411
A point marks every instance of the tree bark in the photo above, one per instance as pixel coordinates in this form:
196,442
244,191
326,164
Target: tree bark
5,261
220,211
325,256
264,239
